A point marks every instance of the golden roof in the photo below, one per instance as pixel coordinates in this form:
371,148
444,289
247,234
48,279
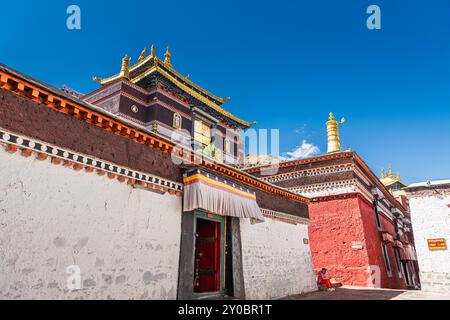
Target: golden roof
165,68
388,178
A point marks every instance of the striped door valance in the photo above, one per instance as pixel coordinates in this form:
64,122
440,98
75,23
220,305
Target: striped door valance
216,195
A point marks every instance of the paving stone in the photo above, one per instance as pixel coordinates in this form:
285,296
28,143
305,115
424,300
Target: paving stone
359,293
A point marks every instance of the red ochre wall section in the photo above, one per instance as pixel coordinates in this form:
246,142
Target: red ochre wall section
337,227
334,225
373,246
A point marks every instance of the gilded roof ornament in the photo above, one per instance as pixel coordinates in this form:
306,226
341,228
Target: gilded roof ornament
143,55
125,69
152,51
167,57
390,174
334,140
97,79
388,177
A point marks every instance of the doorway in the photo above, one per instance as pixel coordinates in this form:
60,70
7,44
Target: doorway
208,268
218,270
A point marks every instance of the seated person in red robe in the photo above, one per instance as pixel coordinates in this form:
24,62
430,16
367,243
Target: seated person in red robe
323,279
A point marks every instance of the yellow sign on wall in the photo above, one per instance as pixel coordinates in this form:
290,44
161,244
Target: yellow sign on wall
437,244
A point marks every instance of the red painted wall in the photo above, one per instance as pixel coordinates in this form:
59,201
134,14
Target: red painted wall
335,225
373,244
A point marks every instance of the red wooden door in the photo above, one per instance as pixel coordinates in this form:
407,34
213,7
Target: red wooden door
207,255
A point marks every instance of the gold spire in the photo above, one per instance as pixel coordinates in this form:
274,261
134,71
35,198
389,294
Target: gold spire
167,57
390,174
152,51
143,55
125,69
334,141
388,177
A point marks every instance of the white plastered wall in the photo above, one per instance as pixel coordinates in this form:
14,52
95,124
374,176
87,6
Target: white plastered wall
276,261
125,241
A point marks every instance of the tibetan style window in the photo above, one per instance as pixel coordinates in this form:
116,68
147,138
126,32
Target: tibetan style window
202,132
398,264
386,259
377,215
397,229
177,121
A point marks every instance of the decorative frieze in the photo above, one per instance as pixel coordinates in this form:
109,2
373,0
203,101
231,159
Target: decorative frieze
326,188
284,217
79,161
308,173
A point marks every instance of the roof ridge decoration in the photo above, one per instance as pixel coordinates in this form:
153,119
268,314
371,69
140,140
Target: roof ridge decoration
388,177
125,69
143,55
167,57
152,64
153,58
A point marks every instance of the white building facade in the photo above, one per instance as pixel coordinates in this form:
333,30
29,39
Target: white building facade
430,214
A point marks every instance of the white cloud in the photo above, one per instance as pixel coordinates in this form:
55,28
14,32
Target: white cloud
306,150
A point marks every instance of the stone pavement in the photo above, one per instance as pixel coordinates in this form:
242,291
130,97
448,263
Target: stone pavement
362,293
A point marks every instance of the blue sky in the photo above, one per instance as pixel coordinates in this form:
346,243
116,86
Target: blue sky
285,64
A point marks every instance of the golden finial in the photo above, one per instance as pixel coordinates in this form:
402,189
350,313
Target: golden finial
334,141
167,57
383,174
143,55
125,69
97,79
390,174
152,51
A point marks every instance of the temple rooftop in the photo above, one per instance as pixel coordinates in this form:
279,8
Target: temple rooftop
148,65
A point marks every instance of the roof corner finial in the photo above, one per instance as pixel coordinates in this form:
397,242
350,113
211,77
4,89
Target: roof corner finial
383,174
167,57
125,69
152,51
143,55
97,79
